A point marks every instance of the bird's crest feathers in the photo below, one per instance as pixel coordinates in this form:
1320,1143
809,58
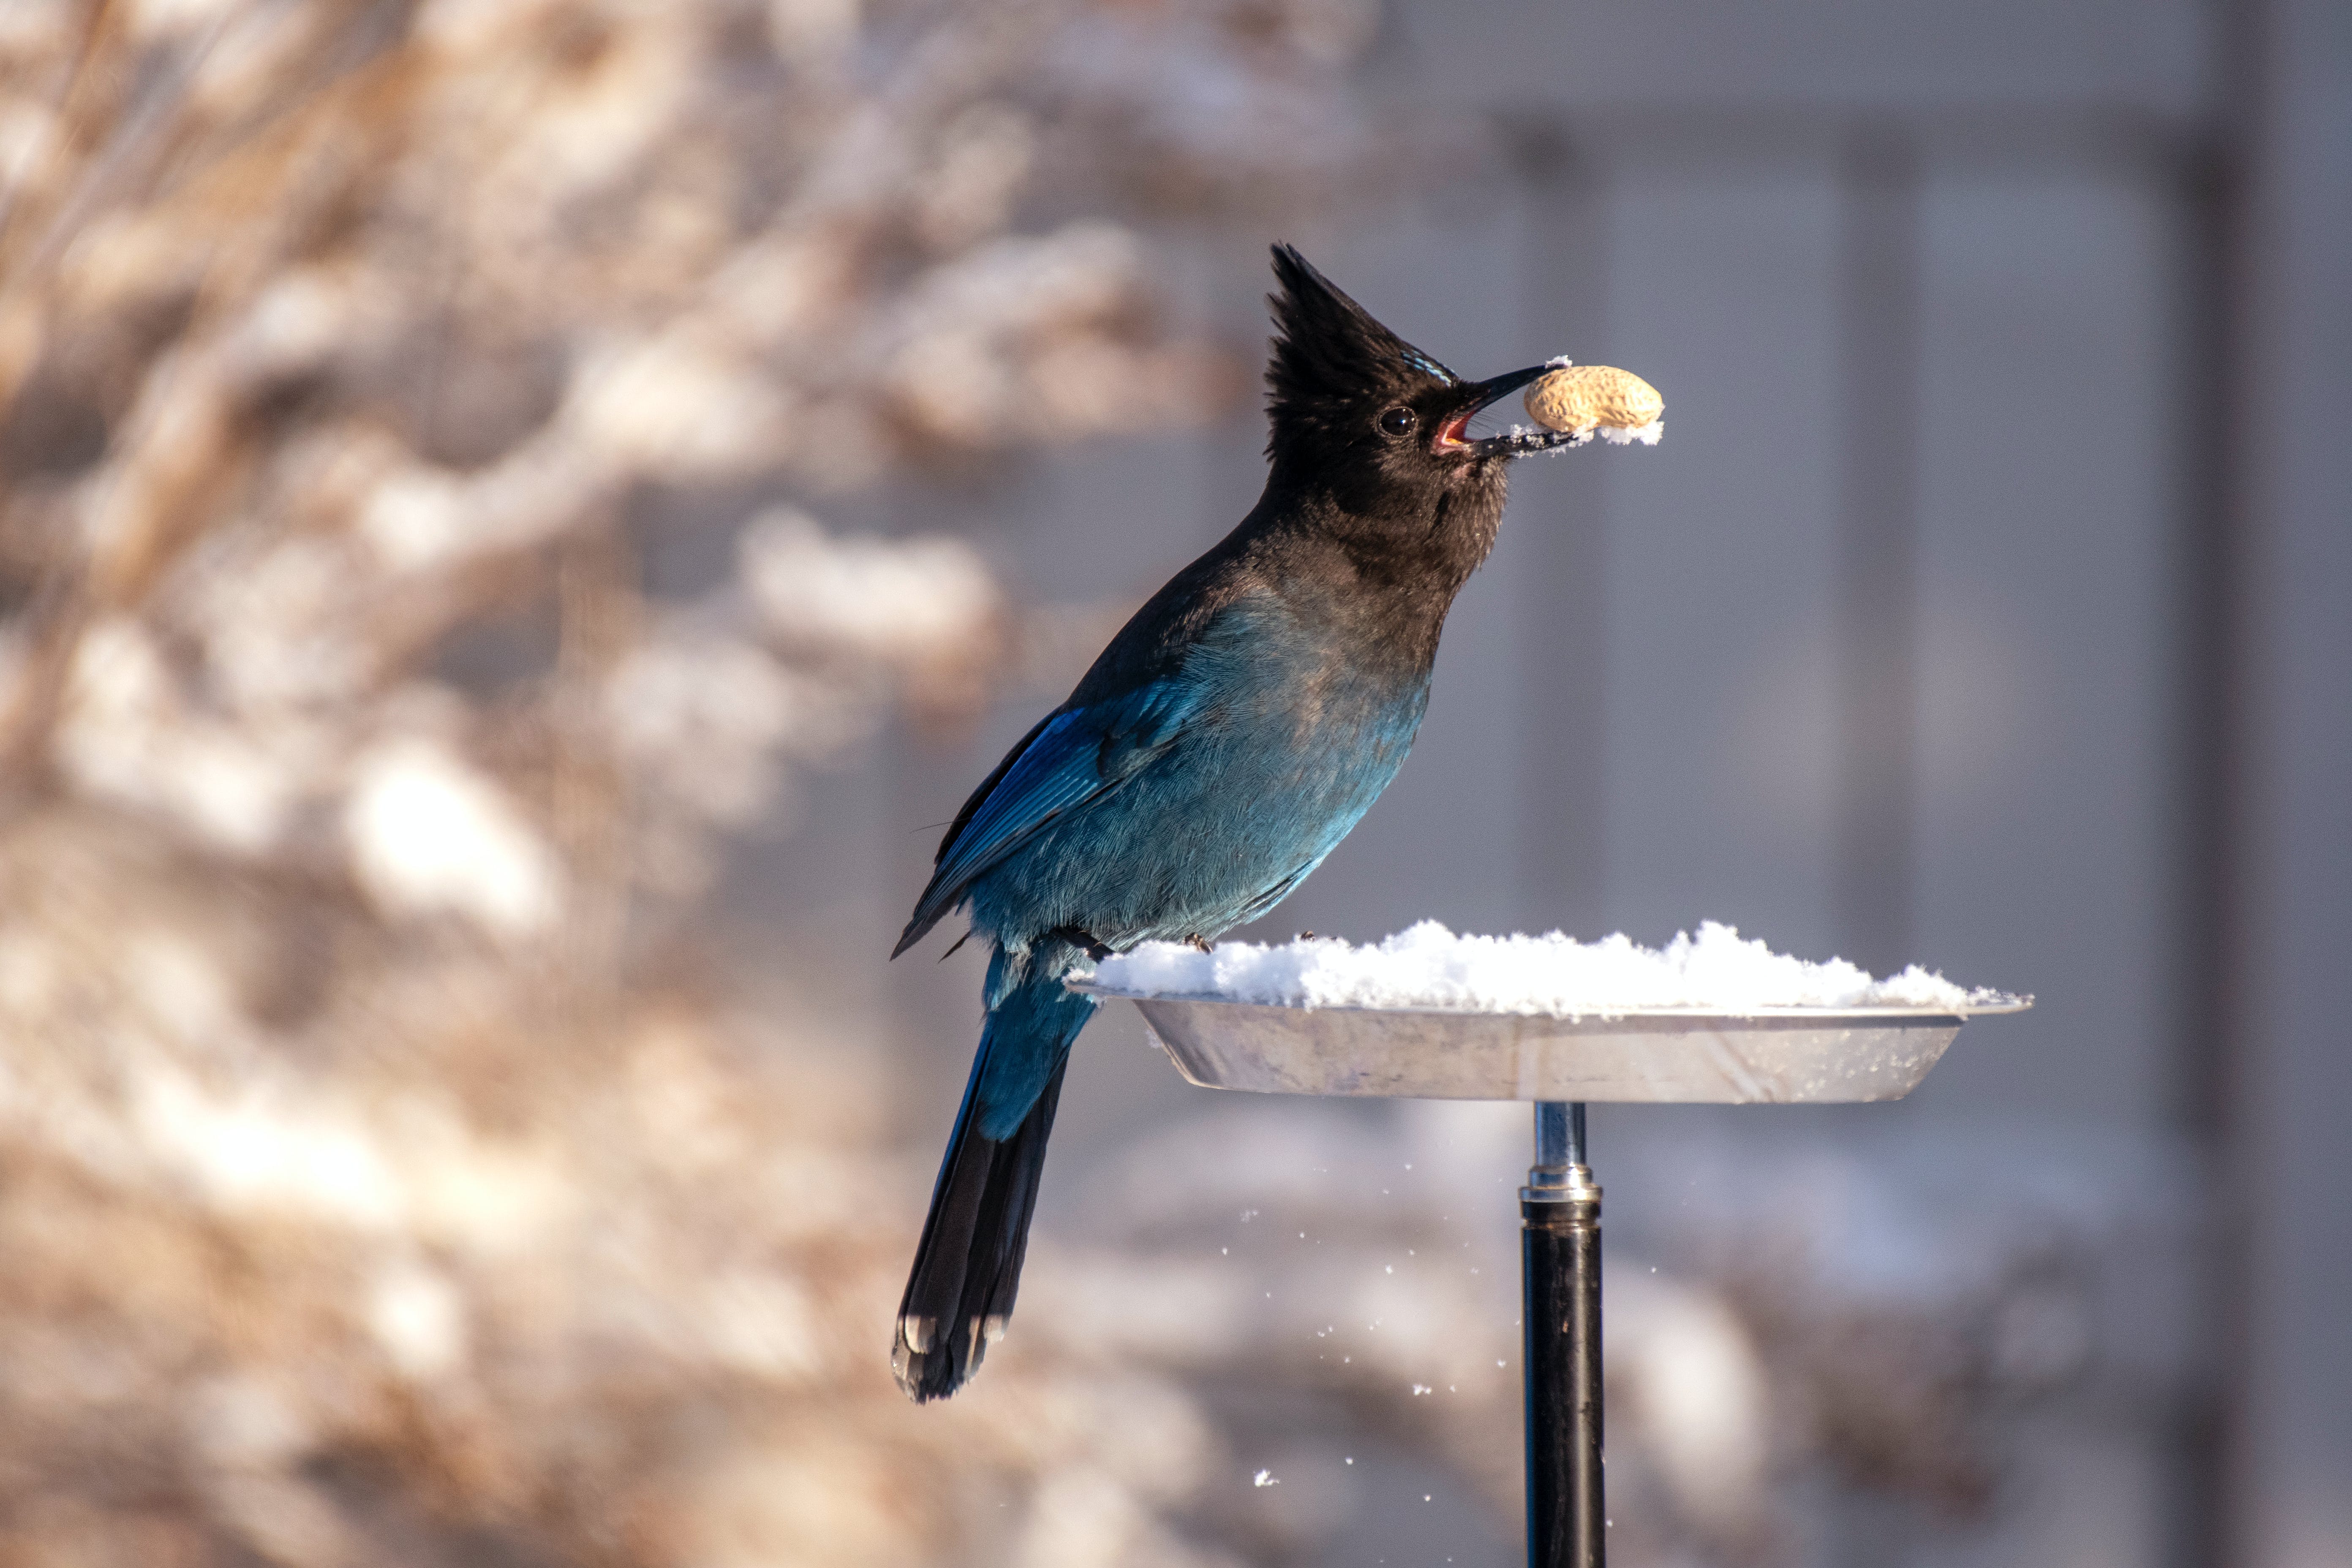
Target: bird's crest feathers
1330,357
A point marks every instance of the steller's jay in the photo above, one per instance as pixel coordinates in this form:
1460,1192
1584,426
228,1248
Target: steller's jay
1221,746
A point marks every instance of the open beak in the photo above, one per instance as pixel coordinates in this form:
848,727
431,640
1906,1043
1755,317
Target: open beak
1453,437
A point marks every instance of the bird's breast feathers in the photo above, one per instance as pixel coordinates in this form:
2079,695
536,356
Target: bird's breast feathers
1187,800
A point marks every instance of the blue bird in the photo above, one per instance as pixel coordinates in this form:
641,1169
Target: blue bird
1221,746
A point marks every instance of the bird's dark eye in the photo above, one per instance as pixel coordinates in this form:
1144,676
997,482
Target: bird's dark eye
1399,421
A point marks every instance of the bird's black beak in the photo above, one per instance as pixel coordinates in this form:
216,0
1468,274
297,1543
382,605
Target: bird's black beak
1453,438
1501,386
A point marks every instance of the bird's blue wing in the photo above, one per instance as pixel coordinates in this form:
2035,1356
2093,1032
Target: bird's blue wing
1068,760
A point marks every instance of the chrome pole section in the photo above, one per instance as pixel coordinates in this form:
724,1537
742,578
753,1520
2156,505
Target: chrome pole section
1560,1276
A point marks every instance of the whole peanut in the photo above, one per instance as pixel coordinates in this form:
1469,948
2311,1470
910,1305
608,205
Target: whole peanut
1579,397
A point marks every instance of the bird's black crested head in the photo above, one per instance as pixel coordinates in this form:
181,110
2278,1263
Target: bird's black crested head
1331,358
1335,371
1356,406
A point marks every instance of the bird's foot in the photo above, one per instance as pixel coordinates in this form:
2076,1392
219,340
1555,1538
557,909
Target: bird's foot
1082,940
1199,942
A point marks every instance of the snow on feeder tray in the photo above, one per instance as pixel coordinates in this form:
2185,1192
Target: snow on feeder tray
1427,1014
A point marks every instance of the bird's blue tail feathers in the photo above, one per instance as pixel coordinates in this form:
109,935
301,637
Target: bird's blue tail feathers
968,1265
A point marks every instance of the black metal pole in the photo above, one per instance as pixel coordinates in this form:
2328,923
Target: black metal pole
1560,1275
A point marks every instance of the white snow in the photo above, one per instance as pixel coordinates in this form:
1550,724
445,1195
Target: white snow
430,831
1429,966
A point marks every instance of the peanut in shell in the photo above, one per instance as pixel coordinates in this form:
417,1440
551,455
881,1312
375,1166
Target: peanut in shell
1579,397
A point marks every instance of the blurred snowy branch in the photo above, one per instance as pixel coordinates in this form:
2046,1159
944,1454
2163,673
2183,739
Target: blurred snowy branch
324,331
374,1191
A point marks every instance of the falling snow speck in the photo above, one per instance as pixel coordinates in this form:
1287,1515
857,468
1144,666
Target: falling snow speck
1264,1478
